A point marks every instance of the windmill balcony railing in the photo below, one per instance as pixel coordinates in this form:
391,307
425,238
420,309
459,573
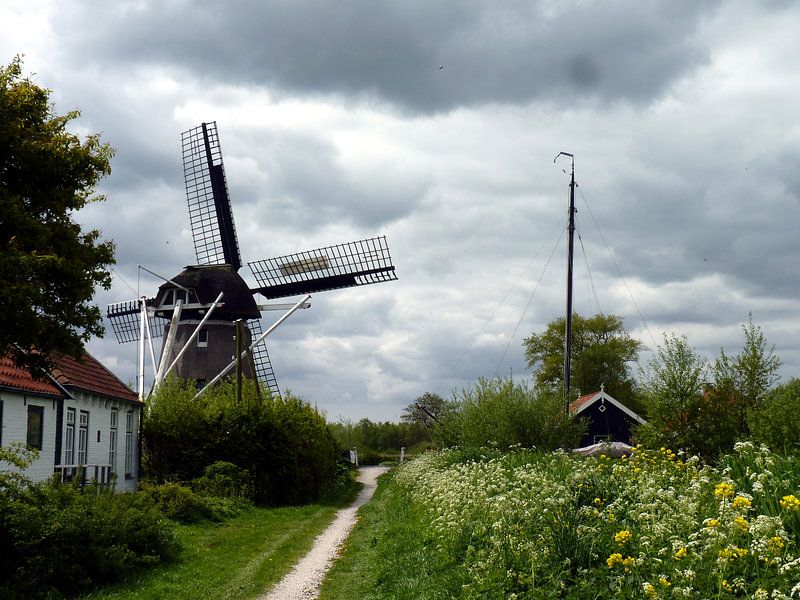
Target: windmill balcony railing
85,474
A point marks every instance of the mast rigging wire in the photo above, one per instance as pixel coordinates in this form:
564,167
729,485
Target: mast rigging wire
530,299
619,271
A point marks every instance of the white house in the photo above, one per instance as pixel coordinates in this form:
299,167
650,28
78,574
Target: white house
81,418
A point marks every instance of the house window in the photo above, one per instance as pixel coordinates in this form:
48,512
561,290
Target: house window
129,444
83,437
69,438
35,426
112,440
202,338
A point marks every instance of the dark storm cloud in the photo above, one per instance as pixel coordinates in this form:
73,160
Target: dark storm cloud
420,56
308,186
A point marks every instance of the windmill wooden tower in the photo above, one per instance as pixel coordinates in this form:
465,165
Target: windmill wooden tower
197,310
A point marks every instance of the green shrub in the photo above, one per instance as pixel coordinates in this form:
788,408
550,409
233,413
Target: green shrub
180,503
60,539
224,480
283,444
503,414
776,421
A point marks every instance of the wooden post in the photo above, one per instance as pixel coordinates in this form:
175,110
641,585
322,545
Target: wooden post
239,335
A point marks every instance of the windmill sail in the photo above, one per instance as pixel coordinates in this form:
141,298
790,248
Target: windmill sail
263,365
332,267
125,319
210,213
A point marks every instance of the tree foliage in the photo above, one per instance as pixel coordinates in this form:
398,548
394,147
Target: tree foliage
502,413
776,420
284,444
707,408
377,442
49,267
601,354
426,409
674,383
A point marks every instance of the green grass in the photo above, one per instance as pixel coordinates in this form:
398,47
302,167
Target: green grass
389,556
240,558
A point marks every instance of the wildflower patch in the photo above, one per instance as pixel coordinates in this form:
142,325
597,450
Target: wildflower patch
656,524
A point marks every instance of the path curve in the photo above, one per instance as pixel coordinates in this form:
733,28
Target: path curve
303,581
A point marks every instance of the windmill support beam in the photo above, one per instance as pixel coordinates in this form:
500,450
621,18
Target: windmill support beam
260,338
143,327
281,306
194,334
169,342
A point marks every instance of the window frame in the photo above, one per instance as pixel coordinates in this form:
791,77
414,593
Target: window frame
69,437
129,417
34,409
83,438
112,439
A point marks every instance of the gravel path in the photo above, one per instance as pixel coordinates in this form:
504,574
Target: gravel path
303,581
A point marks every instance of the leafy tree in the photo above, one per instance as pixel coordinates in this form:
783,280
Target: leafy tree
776,420
674,384
284,444
503,413
426,409
49,267
741,384
601,353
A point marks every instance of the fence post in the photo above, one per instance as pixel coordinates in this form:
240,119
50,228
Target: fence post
402,454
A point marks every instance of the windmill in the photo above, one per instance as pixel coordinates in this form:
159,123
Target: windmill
198,311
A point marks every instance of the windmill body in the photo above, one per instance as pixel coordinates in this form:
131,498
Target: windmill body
184,301
211,350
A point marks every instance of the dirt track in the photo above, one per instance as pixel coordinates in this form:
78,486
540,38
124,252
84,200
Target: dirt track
303,581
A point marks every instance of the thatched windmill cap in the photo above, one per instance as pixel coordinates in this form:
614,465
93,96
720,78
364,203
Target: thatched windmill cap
207,281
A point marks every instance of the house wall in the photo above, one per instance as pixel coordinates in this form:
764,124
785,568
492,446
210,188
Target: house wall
15,429
99,409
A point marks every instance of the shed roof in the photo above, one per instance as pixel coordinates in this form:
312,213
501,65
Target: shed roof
583,402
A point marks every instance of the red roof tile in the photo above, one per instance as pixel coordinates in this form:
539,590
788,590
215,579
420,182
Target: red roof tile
12,376
89,375
576,404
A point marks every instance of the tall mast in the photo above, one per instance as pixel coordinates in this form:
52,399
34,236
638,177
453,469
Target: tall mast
568,328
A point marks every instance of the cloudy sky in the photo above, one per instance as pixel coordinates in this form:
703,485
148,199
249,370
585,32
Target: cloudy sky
436,124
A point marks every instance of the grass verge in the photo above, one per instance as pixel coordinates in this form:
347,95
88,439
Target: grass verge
388,555
238,559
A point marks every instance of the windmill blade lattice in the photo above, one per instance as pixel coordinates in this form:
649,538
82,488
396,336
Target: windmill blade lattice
125,319
210,213
263,365
333,267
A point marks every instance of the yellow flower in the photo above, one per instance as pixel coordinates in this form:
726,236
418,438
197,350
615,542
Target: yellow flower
732,553
681,553
664,582
726,586
711,523
649,590
775,544
628,562
790,503
623,537
614,560
597,501
742,523
740,502
761,594
723,490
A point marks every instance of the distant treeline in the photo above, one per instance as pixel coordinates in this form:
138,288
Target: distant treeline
376,442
